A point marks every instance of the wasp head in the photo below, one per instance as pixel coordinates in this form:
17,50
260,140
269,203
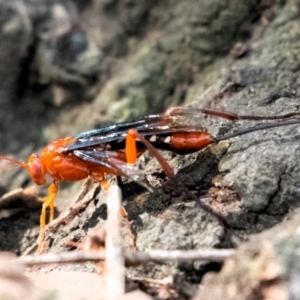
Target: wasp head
36,169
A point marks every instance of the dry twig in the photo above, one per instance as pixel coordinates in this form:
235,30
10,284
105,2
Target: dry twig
115,268
131,258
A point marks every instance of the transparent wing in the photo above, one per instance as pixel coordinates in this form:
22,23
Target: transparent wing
175,119
110,159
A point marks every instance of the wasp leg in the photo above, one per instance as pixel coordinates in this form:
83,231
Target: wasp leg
104,184
130,147
49,201
123,212
130,151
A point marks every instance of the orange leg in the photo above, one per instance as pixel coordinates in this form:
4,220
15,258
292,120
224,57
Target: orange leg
104,184
131,151
49,201
130,147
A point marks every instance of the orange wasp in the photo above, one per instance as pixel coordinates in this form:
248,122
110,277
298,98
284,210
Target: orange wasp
115,149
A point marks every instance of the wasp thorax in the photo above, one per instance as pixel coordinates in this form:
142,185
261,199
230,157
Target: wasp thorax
36,169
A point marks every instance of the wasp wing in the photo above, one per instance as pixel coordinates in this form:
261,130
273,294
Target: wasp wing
175,119
110,160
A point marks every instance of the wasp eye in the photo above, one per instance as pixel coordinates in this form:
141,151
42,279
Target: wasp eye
36,169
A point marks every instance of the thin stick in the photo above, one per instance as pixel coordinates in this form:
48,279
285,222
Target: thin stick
130,257
86,186
115,269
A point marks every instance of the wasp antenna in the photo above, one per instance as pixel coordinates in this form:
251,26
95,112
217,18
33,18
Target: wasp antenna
15,163
256,128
